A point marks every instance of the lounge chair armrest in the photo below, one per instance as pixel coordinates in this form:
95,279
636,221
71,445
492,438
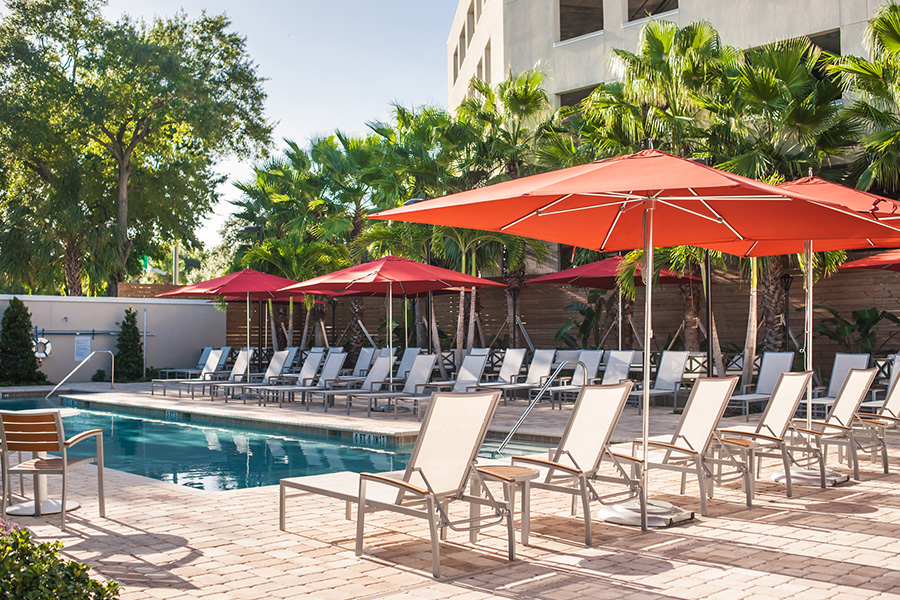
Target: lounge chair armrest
667,446
884,418
545,463
734,442
746,388
518,378
806,431
84,435
394,482
818,390
750,434
594,380
627,457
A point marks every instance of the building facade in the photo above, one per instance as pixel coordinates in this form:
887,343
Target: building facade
570,40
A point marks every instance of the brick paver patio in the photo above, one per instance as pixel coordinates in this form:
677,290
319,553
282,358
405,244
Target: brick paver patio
161,540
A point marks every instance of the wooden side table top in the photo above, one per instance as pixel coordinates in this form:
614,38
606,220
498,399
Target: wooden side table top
508,472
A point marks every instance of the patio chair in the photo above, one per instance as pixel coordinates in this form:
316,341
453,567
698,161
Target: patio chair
879,406
415,382
773,365
509,370
201,362
842,427
843,363
342,389
439,469
618,366
273,372
329,375
768,437
580,377
307,373
406,362
469,375
363,362
687,451
238,373
669,378
886,418
575,463
538,371
209,369
41,431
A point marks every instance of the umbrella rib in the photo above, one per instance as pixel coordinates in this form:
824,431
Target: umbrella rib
721,218
620,203
697,214
612,226
534,213
857,216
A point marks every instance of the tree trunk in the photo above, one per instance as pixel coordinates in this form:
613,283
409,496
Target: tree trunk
319,317
510,317
122,221
717,349
773,305
421,323
305,334
436,342
627,317
357,339
750,340
470,336
290,333
72,268
691,295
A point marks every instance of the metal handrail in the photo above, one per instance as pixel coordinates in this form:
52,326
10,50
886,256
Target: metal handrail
112,379
535,400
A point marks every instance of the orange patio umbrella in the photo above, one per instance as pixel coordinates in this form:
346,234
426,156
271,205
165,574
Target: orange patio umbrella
886,261
645,200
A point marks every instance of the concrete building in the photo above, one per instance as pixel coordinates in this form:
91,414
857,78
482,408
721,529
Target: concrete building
570,40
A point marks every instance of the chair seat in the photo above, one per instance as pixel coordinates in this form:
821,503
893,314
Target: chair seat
48,464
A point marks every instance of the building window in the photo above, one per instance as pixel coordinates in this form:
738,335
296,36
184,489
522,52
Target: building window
641,9
479,70
462,47
470,24
455,65
487,62
478,10
575,97
829,41
579,17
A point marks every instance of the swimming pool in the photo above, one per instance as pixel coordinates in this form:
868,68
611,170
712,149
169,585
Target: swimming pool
215,457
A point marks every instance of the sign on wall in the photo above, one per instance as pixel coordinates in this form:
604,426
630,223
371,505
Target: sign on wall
82,347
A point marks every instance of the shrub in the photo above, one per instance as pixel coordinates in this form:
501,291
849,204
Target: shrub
36,572
129,348
17,361
100,375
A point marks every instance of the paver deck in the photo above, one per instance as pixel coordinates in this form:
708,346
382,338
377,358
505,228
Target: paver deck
161,540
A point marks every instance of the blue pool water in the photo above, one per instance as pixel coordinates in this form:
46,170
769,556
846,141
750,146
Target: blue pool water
214,457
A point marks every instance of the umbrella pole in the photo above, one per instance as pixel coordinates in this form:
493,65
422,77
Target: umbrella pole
808,276
390,330
248,338
405,325
648,335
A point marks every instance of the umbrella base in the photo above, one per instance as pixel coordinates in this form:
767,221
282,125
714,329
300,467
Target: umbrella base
659,513
811,477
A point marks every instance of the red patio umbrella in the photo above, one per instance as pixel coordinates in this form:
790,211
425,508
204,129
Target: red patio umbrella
644,200
886,261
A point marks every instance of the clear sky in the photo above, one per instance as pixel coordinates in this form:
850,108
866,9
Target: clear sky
332,64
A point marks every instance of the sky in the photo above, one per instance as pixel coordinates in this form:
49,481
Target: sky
333,64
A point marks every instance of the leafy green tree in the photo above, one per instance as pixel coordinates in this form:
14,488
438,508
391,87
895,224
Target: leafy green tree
129,348
18,363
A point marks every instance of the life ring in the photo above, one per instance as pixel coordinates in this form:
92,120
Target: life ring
42,347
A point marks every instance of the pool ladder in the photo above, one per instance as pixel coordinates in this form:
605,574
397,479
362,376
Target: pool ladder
112,379
546,385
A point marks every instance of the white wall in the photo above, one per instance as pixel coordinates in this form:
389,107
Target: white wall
177,330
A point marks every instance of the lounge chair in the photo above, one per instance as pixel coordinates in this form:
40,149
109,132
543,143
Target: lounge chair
273,372
42,431
343,389
617,366
841,427
469,375
239,371
413,386
687,451
768,437
773,365
669,378
538,371
580,377
843,363
439,470
330,370
307,373
886,418
883,406
186,372
406,362
584,444
209,369
363,362
509,370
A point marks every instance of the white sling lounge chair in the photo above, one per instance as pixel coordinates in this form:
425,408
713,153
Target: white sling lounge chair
209,369
687,450
186,372
669,378
538,371
468,377
416,381
509,370
238,374
329,374
363,362
439,469
406,362
272,374
580,377
768,437
618,366
839,370
841,426
773,365
343,389
307,373
886,418
584,444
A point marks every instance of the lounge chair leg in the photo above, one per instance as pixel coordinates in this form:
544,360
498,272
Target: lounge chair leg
703,487
852,457
585,505
360,516
435,544
525,524
786,461
62,507
748,476
444,527
281,499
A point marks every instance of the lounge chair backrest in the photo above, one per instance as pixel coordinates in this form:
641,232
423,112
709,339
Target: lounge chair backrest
590,425
377,374
618,365
846,403
770,370
31,431
241,363
782,406
292,351
419,373
335,350
276,366
564,355
591,360
332,368
891,405
451,435
704,408
540,366
842,365
392,351
638,360
223,358
479,352
212,363
310,366
512,364
201,362
406,361
671,370
363,361
470,372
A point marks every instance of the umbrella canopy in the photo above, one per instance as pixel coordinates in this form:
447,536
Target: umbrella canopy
390,274
647,199
886,261
248,281
602,275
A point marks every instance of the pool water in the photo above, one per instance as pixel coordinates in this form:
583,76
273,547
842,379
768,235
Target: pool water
214,457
